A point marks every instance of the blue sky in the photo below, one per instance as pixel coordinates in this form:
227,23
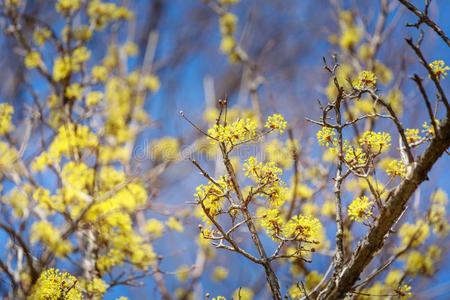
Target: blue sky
292,93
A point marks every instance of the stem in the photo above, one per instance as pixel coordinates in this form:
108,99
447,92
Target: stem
271,277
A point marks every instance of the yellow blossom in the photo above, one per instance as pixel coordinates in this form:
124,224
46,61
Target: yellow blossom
220,273
6,112
46,233
67,6
54,285
414,234
271,221
303,228
360,209
412,135
228,23
80,55
375,141
276,122
241,130
396,168
61,68
365,80
154,227
439,69
183,272
93,98
325,136
33,60
74,91
227,44
99,73
174,224
243,293
40,35
151,82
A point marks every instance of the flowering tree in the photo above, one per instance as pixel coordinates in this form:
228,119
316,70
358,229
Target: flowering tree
82,214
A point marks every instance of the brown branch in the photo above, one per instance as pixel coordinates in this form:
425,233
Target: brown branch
374,240
433,76
423,18
419,83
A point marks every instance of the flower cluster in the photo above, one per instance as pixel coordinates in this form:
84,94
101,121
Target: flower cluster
414,234
360,209
228,23
231,134
281,153
396,168
303,228
54,284
439,69
325,136
211,197
276,122
375,141
266,175
365,80
6,112
165,149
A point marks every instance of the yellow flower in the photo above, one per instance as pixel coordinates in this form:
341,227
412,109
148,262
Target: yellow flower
412,135
303,228
325,136
281,153
33,60
54,285
439,69
74,91
276,122
82,33
46,233
375,141
8,156
183,272
93,98
393,278
228,23
414,234
271,221
360,209
239,131
80,55
174,224
228,2
365,80
6,112
165,149
328,208
151,82
350,37
154,227
67,6
99,73
227,44
131,49
61,68
396,168
243,293
220,273
40,35
295,292
404,292
95,288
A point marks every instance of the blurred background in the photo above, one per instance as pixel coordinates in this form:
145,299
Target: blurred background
287,40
